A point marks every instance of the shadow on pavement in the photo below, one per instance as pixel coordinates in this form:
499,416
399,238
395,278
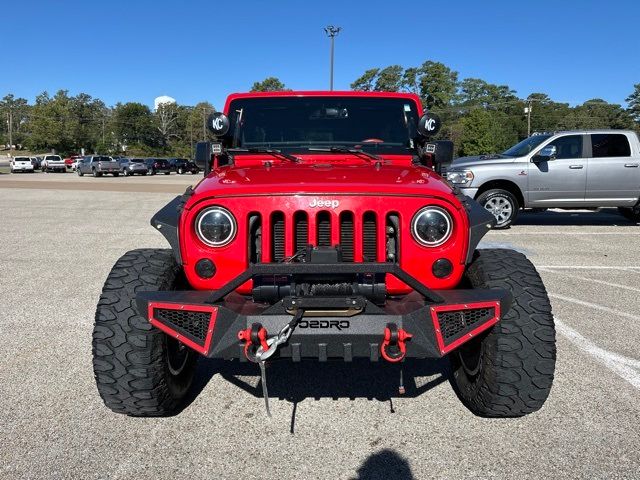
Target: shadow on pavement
605,217
295,382
385,465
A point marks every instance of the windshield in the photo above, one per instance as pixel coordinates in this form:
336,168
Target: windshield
298,123
102,159
22,159
526,146
53,158
137,160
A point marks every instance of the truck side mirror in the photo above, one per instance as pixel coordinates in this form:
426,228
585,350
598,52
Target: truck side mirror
440,152
203,156
546,154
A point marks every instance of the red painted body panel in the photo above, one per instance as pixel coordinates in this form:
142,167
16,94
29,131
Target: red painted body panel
259,183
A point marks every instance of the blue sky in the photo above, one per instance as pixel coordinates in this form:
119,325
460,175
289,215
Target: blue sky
197,50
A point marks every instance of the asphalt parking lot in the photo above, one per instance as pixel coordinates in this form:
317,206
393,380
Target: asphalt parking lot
60,236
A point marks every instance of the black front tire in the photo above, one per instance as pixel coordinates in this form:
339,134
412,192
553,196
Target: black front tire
508,371
502,204
136,366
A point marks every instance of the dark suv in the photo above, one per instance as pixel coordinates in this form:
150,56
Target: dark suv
182,166
157,165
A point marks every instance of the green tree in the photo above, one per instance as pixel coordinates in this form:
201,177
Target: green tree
483,132
17,110
132,124
633,102
438,85
366,83
597,113
269,84
389,79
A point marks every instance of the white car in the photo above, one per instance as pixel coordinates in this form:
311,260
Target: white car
21,164
53,163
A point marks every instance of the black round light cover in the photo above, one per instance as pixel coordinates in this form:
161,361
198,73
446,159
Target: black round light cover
205,268
432,226
442,268
429,124
216,226
218,123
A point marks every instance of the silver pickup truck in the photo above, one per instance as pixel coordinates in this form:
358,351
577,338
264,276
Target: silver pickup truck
574,169
97,165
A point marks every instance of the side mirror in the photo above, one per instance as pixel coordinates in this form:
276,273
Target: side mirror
546,154
429,125
440,152
203,156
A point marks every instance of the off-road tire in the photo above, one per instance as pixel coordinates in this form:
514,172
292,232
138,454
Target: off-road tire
130,356
504,197
514,373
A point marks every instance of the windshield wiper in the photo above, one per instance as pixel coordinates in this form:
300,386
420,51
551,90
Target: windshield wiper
268,151
353,151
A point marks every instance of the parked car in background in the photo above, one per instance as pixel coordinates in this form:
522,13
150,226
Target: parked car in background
68,162
158,165
574,169
36,161
21,164
97,165
133,166
182,166
53,163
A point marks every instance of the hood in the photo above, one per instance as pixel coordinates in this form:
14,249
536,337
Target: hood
325,178
476,160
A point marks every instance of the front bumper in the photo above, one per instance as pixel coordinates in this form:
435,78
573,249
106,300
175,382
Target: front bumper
469,191
344,328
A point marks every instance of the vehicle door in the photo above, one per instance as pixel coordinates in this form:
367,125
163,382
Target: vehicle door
613,173
86,165
557,175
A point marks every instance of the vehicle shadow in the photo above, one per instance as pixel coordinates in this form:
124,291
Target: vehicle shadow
605,217
295,382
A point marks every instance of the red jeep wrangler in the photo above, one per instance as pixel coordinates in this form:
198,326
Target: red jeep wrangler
321,231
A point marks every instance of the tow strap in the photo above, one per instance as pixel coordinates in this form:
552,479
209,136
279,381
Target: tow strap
258,348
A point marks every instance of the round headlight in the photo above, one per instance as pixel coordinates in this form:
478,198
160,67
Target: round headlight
431,226
216,226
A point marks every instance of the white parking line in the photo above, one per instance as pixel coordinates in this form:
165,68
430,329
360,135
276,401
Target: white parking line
623,366
595,306
527,232
589,267
592,280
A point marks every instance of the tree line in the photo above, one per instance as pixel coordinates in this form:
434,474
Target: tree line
67,124
478,116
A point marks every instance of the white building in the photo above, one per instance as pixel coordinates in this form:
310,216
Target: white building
162,99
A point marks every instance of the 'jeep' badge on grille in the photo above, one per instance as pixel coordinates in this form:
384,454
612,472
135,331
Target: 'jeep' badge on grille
316,202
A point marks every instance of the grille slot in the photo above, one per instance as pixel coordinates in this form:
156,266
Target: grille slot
369,237
457,322
301,240
255,238
195,324
277,237
347,236
323,229
392,238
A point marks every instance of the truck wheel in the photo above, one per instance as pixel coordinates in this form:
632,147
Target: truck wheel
508,371
79,172
116,174
180,171
139,370
502,204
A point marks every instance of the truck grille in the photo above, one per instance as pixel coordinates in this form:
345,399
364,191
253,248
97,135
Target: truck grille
276,236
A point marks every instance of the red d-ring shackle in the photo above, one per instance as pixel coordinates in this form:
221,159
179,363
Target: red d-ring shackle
393,347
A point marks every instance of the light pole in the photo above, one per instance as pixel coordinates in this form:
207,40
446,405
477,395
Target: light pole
331,32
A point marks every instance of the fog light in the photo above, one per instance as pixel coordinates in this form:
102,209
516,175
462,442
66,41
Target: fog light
205,268
442,268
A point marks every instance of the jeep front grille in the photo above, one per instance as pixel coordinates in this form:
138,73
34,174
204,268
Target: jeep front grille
276,236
